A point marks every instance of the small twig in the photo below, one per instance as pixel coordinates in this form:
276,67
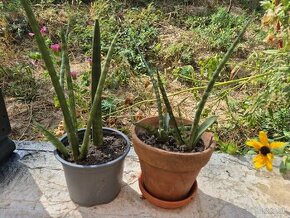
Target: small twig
230,6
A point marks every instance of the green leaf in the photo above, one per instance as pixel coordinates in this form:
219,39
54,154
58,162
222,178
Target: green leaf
59,146
285,164
232,148
271,52
252,152
204,126
34,55
56,102
287,134
166,122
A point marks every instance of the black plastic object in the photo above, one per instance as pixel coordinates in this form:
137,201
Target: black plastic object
7,146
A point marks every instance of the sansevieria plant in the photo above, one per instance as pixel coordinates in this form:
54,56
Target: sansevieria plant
78,148
196,129
93,174
172,151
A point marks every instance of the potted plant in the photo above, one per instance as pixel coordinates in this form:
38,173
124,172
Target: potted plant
172,150
93,173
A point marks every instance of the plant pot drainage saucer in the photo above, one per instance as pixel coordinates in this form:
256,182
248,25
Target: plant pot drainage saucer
167,204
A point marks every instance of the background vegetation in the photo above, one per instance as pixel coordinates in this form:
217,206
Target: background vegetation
185,39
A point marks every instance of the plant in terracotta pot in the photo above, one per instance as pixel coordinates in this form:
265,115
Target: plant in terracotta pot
92,158
172,150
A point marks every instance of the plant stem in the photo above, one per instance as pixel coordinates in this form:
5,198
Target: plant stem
97,131
71,133
97,100
156,91
169,110
62,69
70,88
194,127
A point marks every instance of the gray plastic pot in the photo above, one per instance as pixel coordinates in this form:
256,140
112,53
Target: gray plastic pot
94,184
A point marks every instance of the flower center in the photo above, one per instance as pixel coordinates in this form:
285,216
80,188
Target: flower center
265,150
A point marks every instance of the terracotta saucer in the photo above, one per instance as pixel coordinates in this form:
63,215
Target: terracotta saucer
167,204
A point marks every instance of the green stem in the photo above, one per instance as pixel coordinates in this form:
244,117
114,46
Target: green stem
169,110
54,78
156,91
70,88
194,127
97,100
97,131
62,69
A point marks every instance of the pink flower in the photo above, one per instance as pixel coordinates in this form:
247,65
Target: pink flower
55,47
31,34
74,74
43,29
90,60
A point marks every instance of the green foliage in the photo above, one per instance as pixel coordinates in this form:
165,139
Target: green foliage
80,39
219,29
19,82
276,123
109,105
204,126
208,65
196,129
285,164
187,43
68,108
229,147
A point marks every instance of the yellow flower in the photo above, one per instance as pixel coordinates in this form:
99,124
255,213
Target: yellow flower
264,147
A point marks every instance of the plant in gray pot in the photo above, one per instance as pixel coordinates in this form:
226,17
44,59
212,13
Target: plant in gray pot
92,158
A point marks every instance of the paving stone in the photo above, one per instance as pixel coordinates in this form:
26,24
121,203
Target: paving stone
32,184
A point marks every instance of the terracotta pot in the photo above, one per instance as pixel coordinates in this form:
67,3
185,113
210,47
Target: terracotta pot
169,176
167,204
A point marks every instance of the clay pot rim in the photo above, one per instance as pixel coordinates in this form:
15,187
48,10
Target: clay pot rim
163,152
167,204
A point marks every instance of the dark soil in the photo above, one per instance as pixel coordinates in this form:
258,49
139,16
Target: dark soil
113,148
168,145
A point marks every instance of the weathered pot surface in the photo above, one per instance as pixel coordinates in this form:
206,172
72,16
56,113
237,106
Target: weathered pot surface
169,176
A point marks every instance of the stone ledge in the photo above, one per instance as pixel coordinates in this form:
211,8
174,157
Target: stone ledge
32,184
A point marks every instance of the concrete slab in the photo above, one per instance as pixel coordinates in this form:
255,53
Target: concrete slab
32,184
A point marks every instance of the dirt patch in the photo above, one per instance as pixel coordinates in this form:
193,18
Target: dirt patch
168,145
113,148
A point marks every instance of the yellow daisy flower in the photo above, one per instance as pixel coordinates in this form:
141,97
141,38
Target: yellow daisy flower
264,147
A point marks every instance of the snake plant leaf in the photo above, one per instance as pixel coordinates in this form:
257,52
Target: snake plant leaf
204,126
166,122
60,147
